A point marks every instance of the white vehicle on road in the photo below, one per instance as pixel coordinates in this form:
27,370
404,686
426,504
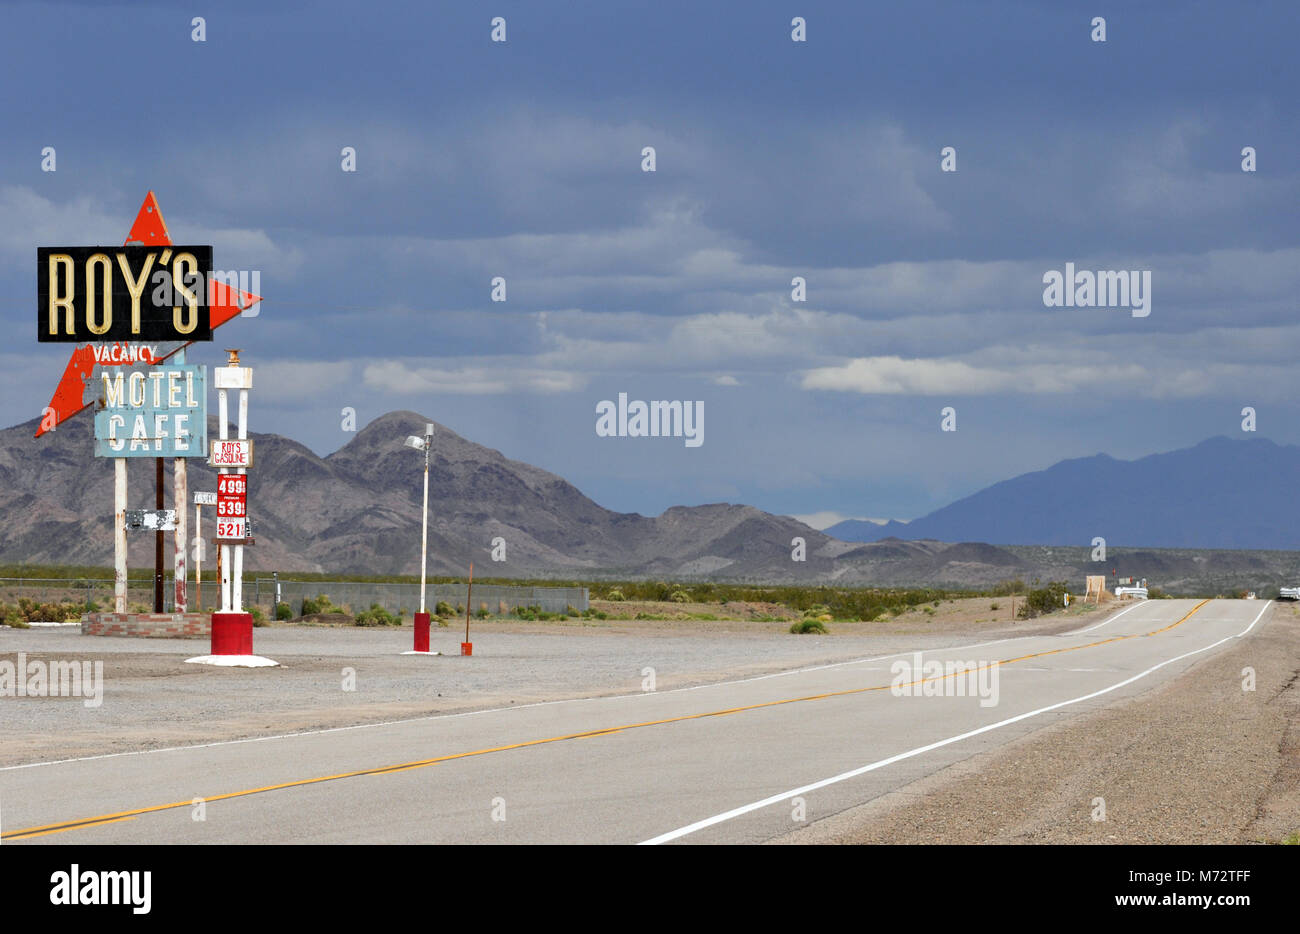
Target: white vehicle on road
1139,593
1132,588
1289,593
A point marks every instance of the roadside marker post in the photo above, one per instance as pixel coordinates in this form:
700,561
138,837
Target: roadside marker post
467,647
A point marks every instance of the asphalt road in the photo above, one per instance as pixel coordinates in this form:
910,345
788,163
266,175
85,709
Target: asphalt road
739,762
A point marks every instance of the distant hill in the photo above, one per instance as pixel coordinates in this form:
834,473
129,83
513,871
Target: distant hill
358,511
1221,493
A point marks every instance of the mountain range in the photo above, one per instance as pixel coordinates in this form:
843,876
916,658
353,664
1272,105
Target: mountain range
1221,493
357,511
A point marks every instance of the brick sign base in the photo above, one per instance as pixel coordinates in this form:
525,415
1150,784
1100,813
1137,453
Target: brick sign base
148,625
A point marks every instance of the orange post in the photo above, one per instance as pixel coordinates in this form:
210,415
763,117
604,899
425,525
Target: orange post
467,647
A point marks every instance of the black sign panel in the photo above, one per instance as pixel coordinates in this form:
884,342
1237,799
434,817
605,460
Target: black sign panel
123,293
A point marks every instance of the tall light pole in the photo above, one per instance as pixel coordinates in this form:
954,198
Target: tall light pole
424,444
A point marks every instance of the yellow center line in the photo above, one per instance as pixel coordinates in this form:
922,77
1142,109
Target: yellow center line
103,819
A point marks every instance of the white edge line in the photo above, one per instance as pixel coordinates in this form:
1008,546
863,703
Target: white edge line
843,776
1107,622
567,700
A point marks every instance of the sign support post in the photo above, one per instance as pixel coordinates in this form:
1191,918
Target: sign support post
119,535
223,550
237,577
232,628
158,537
198,558
181,497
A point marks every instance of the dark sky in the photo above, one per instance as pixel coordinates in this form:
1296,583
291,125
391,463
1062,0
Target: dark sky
775,159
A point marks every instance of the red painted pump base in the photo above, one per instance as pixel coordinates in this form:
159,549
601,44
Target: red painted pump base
421,632
467,648
232,633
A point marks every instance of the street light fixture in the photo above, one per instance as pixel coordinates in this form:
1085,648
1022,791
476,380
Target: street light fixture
422,618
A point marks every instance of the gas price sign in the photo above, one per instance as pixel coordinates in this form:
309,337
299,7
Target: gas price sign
232,506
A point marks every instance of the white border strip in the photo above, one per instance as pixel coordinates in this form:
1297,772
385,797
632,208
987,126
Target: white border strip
844,776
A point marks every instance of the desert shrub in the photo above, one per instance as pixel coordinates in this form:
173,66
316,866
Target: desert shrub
502,608
571,610
321,604
377,616
9,616
26,610
460,609
680,596
993,605
482,612
283,611
443,609
929,611
1044,600
259,618
616,595
802,626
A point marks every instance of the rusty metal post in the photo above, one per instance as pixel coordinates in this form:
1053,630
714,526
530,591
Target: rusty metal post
180,497
119,535
158,537
180,493
469,599
198,558
221,580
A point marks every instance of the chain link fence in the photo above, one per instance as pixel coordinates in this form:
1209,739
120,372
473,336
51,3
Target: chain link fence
261,592
405,598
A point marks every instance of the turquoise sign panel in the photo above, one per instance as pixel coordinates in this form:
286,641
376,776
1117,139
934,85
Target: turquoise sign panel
158,411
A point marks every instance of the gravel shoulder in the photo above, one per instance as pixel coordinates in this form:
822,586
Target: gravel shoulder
1197,760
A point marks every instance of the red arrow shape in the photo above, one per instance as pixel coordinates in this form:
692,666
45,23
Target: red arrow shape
225,303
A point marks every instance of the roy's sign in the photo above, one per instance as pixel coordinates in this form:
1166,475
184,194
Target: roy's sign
153,412
125,293
231,453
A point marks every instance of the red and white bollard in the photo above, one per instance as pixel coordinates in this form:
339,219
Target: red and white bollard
232,633
422,632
